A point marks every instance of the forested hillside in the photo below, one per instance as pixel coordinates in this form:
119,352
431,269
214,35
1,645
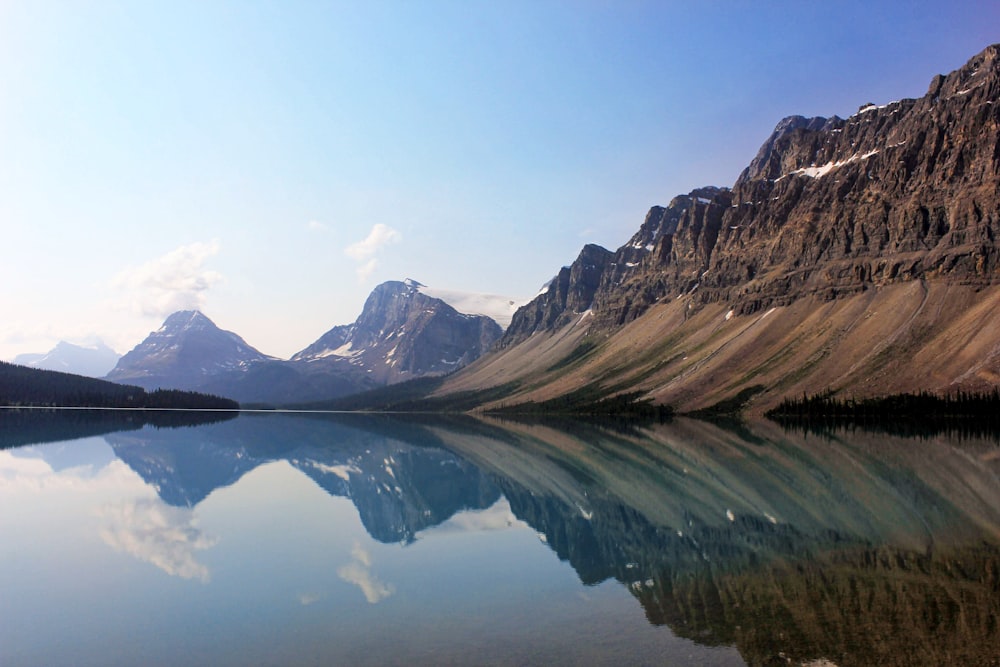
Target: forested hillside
23,386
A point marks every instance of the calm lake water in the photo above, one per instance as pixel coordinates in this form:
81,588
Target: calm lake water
280,539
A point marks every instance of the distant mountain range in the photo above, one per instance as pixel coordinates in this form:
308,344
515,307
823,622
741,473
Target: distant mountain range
402,333
89,360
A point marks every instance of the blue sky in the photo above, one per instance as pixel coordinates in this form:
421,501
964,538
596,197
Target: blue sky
270,162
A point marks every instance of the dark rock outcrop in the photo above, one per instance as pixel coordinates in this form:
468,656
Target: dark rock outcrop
566,297
672,247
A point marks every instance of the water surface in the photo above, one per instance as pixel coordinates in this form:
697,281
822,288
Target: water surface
286,539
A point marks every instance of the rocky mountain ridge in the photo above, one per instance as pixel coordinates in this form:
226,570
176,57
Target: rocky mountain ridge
838,214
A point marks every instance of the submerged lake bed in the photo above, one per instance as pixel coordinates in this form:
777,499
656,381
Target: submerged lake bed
300,539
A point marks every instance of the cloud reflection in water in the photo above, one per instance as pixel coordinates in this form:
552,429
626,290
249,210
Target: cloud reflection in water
358,572
157,533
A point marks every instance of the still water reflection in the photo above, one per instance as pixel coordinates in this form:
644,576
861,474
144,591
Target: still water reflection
285,539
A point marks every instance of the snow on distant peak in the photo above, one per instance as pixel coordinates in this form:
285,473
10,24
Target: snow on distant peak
497,307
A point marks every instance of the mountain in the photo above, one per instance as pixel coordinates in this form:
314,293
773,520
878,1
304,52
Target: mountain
92,361
402,333
185,353
852,255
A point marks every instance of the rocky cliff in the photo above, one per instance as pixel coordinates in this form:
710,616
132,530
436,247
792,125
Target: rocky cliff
897,192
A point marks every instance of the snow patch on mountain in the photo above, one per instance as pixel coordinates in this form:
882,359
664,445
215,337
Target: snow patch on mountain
345,350
818,171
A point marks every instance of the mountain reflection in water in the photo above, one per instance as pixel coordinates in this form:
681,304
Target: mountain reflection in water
859,549
851,548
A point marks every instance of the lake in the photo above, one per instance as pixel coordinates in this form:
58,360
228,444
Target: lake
314,539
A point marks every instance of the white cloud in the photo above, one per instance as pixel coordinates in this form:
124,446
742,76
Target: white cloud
157,533
380,235
316,226
358,572
25,472
364,252
175,281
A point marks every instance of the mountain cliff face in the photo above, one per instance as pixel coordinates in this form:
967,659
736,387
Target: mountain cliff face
185,353
671,248
897,192
566,297
850,212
